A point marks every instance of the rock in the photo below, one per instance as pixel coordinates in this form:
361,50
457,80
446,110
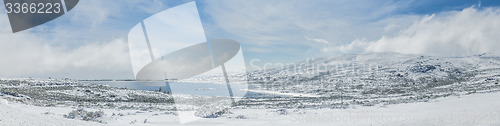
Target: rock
282,111
241,117
422,68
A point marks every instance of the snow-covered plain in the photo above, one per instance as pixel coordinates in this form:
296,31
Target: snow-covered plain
369,89
476,109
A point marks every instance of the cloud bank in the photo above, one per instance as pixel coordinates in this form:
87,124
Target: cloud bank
457,33
75,45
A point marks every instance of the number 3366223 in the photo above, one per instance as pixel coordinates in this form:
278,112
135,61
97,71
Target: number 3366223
34,8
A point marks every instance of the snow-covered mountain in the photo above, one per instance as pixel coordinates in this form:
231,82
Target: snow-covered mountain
305,89
369,79
330,82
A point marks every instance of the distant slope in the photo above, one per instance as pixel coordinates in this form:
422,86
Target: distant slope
369,79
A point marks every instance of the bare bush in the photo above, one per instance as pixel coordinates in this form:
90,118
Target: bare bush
82,114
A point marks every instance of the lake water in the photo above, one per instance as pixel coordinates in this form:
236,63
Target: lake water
202,89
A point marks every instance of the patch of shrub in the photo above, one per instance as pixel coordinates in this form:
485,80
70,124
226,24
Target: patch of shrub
82,114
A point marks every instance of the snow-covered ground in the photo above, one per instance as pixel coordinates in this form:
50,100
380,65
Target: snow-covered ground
387,78
369,89
476,109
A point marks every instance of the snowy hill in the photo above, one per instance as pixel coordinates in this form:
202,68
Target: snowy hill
440,89
389,78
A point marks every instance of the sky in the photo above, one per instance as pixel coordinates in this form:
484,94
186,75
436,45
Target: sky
90,41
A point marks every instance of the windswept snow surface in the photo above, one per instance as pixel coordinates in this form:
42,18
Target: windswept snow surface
476,109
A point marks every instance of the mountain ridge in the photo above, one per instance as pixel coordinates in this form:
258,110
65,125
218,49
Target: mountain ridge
369,79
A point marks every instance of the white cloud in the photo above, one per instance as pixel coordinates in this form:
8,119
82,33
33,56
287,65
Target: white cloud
357,45
88,42
264,26
25,56
318,40
280,26
457,33
56,51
